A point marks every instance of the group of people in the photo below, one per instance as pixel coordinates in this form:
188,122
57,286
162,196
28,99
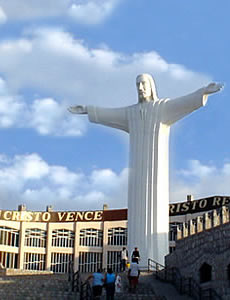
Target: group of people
124,257
111,282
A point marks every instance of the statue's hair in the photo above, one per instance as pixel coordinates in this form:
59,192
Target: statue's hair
154,95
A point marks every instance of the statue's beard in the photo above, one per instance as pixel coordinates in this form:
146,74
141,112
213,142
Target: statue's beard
144,99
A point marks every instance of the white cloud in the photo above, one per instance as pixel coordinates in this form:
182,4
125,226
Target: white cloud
196,169
61,176
3,17
30,180
58,63
201,181
49,117
30,9
108,181
53,62
46,116
30,167
86,12
11,108
92,12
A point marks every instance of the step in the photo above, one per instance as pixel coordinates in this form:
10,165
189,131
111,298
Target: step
35,287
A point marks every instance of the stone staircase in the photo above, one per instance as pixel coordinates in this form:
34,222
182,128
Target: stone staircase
53,286
144,290
149,288
34,287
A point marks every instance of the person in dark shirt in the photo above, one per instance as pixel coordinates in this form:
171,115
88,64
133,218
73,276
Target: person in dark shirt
136,254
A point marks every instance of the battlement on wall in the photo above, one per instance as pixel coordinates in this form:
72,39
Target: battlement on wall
202,223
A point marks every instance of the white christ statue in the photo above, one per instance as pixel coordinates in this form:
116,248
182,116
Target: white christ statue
148,123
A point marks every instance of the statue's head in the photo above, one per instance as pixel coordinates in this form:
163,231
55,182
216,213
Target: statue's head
146,88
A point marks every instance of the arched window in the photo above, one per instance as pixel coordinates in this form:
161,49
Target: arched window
34,261
205,273
173,231
91,237
228,272
63,238
9,236
90,261
117,236
35,237
9,260
114,260
60,262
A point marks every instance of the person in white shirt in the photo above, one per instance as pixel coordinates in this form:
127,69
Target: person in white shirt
124,258
133,274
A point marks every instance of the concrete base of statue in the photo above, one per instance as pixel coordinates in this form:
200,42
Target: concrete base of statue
156,248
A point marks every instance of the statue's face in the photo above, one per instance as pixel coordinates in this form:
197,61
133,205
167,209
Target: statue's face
144,89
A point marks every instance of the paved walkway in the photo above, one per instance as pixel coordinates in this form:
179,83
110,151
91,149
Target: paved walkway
144,290
150,288
166,290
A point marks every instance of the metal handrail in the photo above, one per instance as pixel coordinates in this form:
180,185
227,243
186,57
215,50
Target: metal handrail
184,285
86,291
210,294
77,285
154,264
74,278
160,271
194,289
70,270
76,282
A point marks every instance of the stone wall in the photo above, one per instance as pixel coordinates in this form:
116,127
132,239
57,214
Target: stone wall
205,240
16,272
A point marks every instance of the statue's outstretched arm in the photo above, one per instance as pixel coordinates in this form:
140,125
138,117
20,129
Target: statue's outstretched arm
209,89
78,109
112,117
178,108
213,87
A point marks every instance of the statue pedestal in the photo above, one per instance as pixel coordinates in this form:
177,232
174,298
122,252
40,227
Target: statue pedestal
157,247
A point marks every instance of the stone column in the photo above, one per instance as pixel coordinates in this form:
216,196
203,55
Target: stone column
179,234
21,245
225,214
207,221
185,230
76,247
105,245
48,245
200,225
216,218
192,227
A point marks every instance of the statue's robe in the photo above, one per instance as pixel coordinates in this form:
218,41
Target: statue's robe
148,125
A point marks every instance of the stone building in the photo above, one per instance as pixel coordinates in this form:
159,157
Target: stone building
48,240
182,212
203,251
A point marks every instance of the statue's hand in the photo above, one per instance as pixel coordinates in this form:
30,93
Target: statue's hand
78,109
213,88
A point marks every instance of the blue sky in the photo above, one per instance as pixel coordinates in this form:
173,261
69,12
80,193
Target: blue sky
56,53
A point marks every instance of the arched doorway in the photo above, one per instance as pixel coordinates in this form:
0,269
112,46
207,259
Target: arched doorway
228,272
205,273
